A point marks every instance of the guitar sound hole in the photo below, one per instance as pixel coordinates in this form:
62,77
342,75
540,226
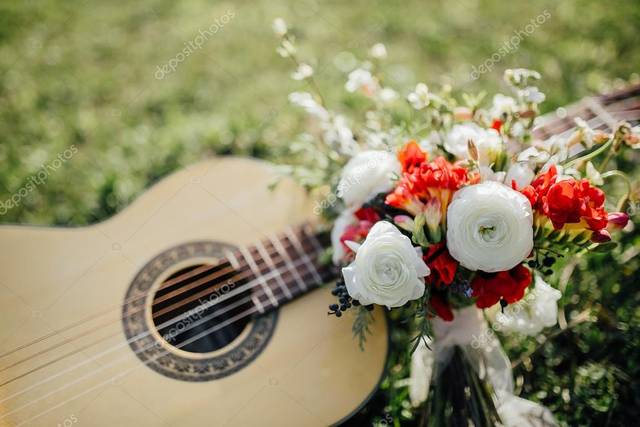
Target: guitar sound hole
211,314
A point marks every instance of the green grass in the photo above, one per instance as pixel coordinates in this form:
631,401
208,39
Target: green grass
82,74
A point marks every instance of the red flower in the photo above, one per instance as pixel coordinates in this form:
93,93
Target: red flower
357,232
441,308
367,214
411,156
443,267
489,288
496,124
422,181
567,201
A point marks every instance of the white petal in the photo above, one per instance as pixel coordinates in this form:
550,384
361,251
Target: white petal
352,245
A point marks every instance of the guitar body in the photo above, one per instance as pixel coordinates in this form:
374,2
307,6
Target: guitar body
65,351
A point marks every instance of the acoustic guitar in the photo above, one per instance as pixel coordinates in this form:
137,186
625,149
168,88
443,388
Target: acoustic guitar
198,305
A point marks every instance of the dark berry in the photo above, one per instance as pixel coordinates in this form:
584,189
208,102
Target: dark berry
333,307
548,261
338,313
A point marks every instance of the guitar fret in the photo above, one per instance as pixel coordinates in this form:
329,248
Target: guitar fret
296,243
236,265
256,271
267,258
600,112
310,235
278,246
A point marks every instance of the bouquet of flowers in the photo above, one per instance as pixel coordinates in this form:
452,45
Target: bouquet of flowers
442,208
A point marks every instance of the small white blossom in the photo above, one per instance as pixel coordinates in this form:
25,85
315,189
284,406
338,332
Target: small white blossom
362,80
419,98
306,101
537,310
286,49
532,94
520,76
279,27
387,95
586,133
338,134
503,105
487,141
378,51
593,175
304,71
521,173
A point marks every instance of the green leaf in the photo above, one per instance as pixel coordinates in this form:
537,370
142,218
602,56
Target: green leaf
604,247
361,324
419,236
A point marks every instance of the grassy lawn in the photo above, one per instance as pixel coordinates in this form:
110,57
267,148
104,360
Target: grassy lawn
84,74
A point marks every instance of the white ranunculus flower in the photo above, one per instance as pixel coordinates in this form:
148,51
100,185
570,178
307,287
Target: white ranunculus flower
345,219
537,310
487,141
387,269
489,227
366,175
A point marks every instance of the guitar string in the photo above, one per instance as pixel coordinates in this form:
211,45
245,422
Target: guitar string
74,352
242,275
195,338
126,372
178,318
253,284
303,227
217,274
181,344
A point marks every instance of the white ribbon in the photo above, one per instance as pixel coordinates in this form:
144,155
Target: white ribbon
470,332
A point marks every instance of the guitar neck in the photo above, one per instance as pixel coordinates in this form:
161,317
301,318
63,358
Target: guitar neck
284,266
600,112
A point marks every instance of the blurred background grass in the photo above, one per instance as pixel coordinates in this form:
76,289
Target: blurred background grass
83,73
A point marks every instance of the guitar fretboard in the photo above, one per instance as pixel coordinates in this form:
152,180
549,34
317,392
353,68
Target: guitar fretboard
282,267
600,112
